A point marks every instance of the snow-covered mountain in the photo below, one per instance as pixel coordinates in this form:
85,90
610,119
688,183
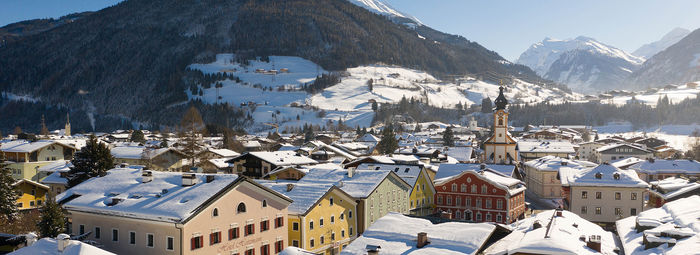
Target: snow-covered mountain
583,63
678,64
671,38
380,7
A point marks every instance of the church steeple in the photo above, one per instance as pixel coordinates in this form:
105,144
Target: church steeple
67,128
501,101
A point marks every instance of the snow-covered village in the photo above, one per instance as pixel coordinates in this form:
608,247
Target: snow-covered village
349,127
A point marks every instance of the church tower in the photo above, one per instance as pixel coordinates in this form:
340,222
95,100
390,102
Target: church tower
67,130
500,148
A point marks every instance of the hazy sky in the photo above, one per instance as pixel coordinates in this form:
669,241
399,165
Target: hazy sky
508,27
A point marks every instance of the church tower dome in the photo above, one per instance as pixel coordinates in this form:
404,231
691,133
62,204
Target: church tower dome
501,101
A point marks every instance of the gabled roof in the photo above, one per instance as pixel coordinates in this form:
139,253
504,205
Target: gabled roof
545,146
57,166
618,145
30,182
672,187
408,173
509,184
396,234
46,246
368,138
279,158
448,170
361,185
163,199
138,152
225,153
667,166
31,147
305,195
608,176
555,164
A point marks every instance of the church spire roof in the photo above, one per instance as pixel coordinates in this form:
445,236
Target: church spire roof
501,100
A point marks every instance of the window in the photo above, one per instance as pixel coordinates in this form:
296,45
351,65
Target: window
483,189
342,233
264,225
598,195
618,211
38,202
279,222
342,216
633,211
332,219
499,218
323,239
488,216
295,226
618,195
488,203
132,237
473,188
264,203
115,235
215,212
633,196
311,225
241,208
279,246
197,242
454,187
233,233
249,229
468,201
330,201
214,238
149,240
464,188
499,204
598,210
82,229
350,231
584,210
458,201
312,243
439,200
333,236
458,215
449,200
584,194
170,243
31,203
98,233
478,216
320,222
295,243
478,202
250,252
350,214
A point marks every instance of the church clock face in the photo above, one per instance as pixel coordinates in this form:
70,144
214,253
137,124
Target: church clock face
500,114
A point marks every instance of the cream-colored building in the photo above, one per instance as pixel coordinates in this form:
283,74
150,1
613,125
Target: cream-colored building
587,151
26,158
501,147
542,175
131,211
605,194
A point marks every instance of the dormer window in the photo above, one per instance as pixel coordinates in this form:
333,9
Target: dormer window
598,175
616,176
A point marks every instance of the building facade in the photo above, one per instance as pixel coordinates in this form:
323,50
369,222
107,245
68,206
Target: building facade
26,158
500,148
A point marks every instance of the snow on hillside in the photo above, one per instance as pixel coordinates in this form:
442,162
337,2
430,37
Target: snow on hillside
678,136
391,83
540,56
380,7
671,38
675,95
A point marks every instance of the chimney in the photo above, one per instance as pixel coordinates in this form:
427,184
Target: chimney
351,172
559,212
63,241
422,240
564,163
482,166
594,243
210,178
146,176
536,225
372,249
189,179
290,187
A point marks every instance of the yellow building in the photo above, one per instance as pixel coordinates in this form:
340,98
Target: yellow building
422,192
26,158
322,218
33,194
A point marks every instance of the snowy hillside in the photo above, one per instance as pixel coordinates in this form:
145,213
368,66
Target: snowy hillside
671,38
675,94
583,63
380,7
277,98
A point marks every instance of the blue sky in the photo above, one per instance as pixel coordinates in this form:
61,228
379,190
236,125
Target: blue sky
508,27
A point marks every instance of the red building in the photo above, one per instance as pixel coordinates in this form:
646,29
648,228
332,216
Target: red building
484,196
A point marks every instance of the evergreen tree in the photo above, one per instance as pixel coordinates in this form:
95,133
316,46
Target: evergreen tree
52,220
486,105
370,84
418,128
375,107
388,144
448,137
93,160
8,194
308,134
137,136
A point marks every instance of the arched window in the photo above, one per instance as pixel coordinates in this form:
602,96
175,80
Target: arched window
215,212
241,208
500,121
264,203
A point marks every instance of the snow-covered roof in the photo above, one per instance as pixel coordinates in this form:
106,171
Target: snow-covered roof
251,144
56,166
31,147
7,144
353,146
55,178
680,219
509,184
49,246
545,146
339,151
555,164
408,173
449,170
617,145
304,194
225,153
220,162
281,158
162,199
30,182
626,162
672,187
462,154
658,166
136,152
368,138
609,176
557,235
360,185
396,234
